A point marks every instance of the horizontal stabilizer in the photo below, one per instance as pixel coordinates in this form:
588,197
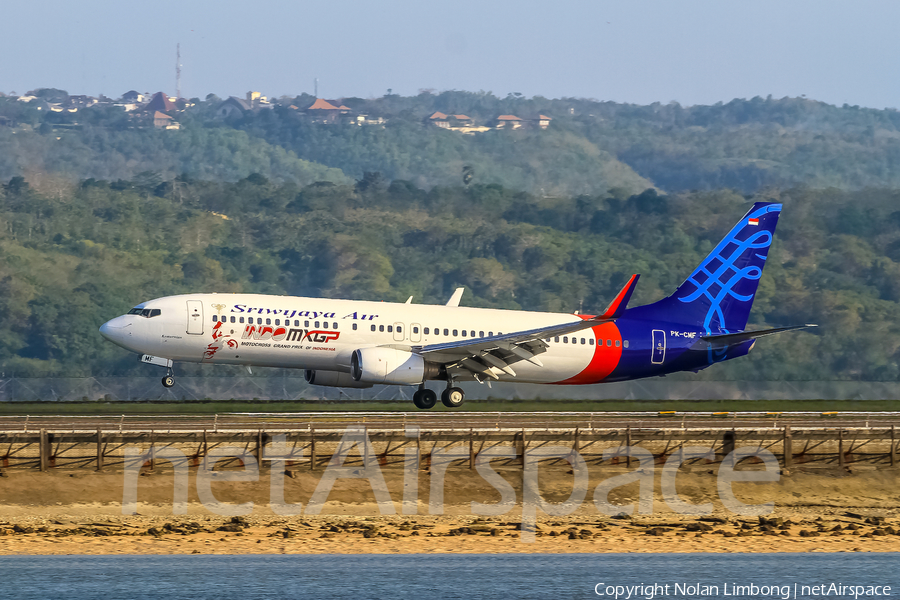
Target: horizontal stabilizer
729,339
617,306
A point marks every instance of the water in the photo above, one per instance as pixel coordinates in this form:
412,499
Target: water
435,577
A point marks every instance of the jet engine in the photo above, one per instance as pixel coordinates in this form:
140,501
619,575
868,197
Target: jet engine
390,366
333,379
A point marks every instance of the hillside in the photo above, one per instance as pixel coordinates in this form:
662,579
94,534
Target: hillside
72,259
589,147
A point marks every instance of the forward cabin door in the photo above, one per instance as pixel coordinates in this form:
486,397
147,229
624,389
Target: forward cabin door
195,317
659,347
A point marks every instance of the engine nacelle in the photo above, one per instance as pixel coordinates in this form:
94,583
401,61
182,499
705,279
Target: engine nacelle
390,366
333,379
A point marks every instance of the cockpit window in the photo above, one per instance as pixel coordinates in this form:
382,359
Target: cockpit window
148,313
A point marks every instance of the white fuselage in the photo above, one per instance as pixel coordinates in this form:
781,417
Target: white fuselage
322,334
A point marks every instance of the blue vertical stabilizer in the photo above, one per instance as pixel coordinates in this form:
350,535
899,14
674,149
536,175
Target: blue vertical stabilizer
718,295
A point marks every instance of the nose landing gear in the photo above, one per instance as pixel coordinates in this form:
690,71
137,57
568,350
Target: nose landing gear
169,380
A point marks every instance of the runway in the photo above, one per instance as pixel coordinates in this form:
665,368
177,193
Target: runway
450,421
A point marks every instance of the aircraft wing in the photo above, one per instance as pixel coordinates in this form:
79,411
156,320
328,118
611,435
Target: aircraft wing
489,356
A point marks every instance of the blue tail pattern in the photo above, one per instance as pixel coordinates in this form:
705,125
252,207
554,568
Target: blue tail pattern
718,295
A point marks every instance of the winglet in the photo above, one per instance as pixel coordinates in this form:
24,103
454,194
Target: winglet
617,306
455,298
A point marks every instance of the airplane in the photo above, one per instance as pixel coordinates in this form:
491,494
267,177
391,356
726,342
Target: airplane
358,344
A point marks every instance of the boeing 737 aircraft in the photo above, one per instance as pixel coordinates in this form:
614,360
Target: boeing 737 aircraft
349,343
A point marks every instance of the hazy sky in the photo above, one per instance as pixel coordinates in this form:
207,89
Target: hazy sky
690,51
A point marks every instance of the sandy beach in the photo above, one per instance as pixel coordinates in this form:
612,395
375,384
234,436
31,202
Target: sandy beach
80,512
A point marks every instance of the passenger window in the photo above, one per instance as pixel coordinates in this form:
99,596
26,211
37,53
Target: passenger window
390,328
373,328
464,333
481,334
608,343
268,321
473,334
354,327
278,321
317,324
215,318
591,341
446,332
306,324
565,339
556,339
334,325
426,331
232,319
415,330
491,334
399,329
325,325
455,333
625,343
582,341
241,319
381,328
617,343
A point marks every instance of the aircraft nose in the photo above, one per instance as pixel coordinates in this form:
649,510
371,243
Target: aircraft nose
116,330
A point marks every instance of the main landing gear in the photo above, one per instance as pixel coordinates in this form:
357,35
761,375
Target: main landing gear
452,397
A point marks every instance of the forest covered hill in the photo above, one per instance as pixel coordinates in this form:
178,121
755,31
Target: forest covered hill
590,147
73,259
100,211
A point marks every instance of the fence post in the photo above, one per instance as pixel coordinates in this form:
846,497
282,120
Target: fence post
99,450
893,447
259,448
152,450
628,446
787,448
44,447
841,447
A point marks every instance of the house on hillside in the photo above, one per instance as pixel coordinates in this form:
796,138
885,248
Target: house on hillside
542,121
160,102
323,111
164,121
133,97
457,122
81,101
234,106
508,122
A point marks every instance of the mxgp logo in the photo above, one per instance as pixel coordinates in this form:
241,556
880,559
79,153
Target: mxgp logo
277,334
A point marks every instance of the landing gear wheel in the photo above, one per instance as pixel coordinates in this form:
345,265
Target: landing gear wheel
453,397
424,399
168,381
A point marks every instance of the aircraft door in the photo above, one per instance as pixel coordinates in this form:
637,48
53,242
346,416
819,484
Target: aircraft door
399,336
194,317
659,347
415,333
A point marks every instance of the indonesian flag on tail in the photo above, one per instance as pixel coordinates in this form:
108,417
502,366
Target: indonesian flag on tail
753,221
